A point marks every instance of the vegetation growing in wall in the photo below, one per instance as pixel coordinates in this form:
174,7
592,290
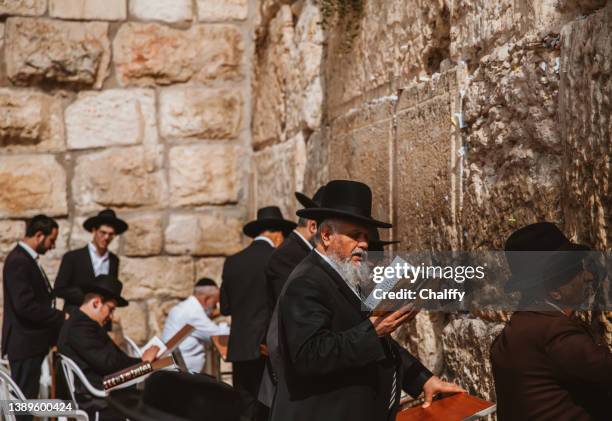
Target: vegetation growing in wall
343,16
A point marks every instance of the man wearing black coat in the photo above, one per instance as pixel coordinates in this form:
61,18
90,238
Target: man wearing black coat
244,297
30,322
83,265
336,362
84,340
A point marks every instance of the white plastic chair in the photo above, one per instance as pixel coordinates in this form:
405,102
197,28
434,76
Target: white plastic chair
70,369
10,391
132,349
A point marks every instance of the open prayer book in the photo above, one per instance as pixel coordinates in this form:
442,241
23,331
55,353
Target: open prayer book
172,344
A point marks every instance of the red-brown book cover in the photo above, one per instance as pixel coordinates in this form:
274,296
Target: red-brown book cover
457,407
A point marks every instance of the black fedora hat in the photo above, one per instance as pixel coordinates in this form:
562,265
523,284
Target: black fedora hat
538,253
107,286
106,217
375,243
307,202
345,199
175,396
268,218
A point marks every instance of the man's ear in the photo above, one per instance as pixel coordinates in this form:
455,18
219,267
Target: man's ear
555,295
312,226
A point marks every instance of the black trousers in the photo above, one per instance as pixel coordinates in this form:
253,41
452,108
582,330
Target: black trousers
26,373
247,378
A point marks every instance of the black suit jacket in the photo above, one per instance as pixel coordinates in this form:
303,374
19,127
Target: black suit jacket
76,268
89,345
244,297
30,323
284,259
334,366
547,366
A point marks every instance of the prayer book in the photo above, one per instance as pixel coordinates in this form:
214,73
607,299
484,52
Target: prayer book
457,407
172,344
135,373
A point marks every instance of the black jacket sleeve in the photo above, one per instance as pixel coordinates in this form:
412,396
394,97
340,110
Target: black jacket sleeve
414,374
26,306
96,348
63,283
313,347
224,301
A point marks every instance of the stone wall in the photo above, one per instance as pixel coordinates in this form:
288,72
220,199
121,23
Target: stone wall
139,105
468,118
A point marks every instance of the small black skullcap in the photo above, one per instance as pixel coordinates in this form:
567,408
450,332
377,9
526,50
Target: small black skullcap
206,282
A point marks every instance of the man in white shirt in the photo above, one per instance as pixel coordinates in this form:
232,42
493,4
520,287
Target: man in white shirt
196,311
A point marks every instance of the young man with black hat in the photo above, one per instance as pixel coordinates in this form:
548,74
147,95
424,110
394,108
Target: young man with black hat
84,264
196,310
547,364
30,321
84,340
336,362
244,297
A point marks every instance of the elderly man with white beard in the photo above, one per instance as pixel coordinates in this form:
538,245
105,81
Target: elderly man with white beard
336,362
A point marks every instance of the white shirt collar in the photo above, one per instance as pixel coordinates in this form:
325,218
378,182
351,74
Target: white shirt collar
94,252
335,267
310,247
264,238
29,249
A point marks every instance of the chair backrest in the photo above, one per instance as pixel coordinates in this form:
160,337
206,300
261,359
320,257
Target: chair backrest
70,369
132,349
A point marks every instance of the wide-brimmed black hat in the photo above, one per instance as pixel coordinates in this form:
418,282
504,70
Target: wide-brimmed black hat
307,202
540,252
345,199
175,396
107,286
268,218
106,217
375,243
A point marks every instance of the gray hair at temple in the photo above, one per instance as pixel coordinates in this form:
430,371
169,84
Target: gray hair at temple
330,224
205,286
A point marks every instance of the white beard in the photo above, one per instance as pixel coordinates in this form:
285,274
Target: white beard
355,273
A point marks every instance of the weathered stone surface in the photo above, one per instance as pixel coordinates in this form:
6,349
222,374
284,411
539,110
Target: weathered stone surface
164,10
79,237
199,112
288,159
88,9
210,267
32,184
30,121
144,236
96,183
23,7
147,54
211,233
203,175
316,172
423,161
1,35
168,277
112,117
49,51
466,344
10,233
158,312
586,88
423,338
220,10
511,157
133,321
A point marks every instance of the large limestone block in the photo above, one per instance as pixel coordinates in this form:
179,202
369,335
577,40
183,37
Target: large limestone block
279,172
30,121
144,236
423,162
211,233
210,267
200,112
23,7
422,336
122,177
150,53
220,10
10,233
156,277
133,321
158,309
88,9
112,117
164,10
585,108
466,344
204,175
316,172
32,184
50,51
